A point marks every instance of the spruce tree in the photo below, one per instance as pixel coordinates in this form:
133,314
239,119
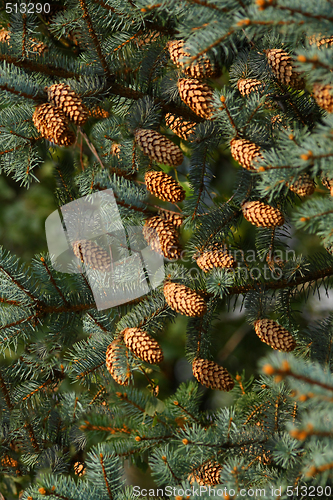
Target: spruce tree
156,100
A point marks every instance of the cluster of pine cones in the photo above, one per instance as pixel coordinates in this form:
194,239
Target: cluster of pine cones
51,118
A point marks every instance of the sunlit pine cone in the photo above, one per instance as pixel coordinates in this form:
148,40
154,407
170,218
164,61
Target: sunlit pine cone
323,95
52,124
202,68
79,468
328,183
175,219
92,255
38,46
248,85
197,95
212,375
184,300
207,474
303,186
245,152
282,67
164,187
275,335
143,345
216,257
262,215
162,237
112,361
158,147
4,36
180,127
62,96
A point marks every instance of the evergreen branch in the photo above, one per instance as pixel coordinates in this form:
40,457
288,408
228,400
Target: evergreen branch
209,5
201,187
90,427
18,284
315,62
165,460
124,397
46,69
285,371
5,392
64,182
93,35
104,473
249,22
24,34
263,4
316,470
176,403
20,93
304,219
97,395
10,302
42,386
222,99
83,374
19,322
33,439
53,281
211,46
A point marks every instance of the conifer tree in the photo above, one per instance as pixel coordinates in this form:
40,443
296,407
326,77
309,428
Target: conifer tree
147,98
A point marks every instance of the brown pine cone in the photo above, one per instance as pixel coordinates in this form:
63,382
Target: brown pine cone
248,85
328,42
8,461
273,334
323,95
180,127
197,95
62,96
158,147
215,258
282,66
39,47
202,68
245,152
112,364
92,255
212,375
97,112
162,237
327,183
184,300
4,36
143,345
52,124
164,187
79,468
303,186
262,215
175,219
208,474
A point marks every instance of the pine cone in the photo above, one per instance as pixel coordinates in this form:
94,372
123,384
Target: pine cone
164,187
212,375
245,152
112,364
143,345
175,219
79,468
92,255
207,474
198,96
262,215
323,95
202,68
52,124
215,258
4,36
180,127
162,237
184,300
97,112
62,96
8,461
39,47
303,186
248,85
282,66
273,334
328,183
328,42
158,147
